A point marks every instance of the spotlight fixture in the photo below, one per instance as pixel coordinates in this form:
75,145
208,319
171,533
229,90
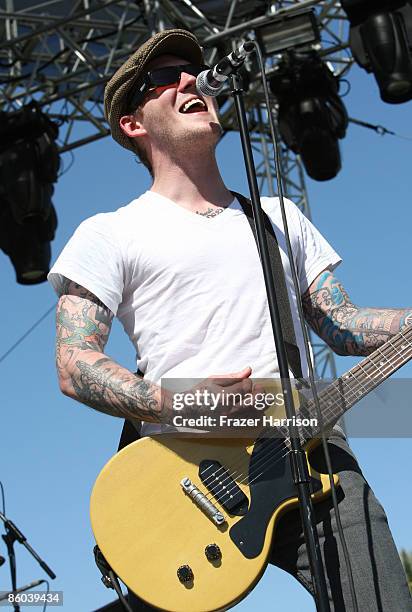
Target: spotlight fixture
288,30
29,163
311,115
380,39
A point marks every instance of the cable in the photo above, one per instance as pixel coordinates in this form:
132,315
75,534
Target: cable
305,332
3,497
348,87
26,333
71,162
118,590
47,591
379,129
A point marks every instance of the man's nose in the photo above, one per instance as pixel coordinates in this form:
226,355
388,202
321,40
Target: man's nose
186,81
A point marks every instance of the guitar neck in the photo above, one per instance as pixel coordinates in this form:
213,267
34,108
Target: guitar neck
352,386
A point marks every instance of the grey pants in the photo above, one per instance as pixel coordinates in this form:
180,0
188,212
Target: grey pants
378,574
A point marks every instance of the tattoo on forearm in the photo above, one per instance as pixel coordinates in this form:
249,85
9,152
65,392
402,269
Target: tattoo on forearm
109,387
348,329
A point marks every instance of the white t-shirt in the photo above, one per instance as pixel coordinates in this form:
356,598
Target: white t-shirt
189,290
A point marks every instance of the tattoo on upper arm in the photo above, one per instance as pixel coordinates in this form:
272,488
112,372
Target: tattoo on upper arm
69,287
83,323
347,328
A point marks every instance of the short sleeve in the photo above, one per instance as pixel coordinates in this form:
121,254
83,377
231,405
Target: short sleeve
92,258
314,254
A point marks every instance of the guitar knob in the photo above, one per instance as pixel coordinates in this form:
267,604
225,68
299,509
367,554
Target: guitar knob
184,573
213,552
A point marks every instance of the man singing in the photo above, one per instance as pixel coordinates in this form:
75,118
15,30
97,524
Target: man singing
179,267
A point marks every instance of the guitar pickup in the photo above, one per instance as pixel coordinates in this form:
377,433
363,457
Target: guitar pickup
223,487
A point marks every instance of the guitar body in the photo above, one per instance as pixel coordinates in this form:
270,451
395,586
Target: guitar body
155,532
147,526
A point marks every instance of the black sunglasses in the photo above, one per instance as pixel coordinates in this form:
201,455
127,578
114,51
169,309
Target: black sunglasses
160,77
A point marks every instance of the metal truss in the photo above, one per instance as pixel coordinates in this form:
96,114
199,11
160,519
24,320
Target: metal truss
61,53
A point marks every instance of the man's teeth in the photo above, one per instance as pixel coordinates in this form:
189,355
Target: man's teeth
193,102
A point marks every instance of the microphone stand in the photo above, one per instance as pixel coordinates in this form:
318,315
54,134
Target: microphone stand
297,455
22,589
13,533
9,540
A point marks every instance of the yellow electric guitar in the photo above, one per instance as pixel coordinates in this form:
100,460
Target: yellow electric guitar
187,524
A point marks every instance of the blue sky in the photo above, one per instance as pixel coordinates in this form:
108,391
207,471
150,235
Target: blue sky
53,448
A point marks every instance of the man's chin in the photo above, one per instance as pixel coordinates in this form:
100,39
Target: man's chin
207,133
216,128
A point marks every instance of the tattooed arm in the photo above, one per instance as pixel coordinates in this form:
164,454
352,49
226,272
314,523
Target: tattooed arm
82,328
346,328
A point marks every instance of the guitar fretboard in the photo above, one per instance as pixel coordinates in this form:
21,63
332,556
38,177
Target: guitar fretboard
352,386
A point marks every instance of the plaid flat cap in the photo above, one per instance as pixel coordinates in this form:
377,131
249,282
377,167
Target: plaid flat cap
173,42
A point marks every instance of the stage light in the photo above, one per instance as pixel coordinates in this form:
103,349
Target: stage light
289,30
380,39
311,115
29,163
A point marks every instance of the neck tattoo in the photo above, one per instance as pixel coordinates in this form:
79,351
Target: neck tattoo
210,212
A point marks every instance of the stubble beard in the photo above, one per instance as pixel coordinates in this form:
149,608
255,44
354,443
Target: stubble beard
180,144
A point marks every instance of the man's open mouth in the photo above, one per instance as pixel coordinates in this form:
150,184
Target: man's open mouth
195,105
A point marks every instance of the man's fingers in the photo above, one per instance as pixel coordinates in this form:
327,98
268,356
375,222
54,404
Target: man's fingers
258,388
225,380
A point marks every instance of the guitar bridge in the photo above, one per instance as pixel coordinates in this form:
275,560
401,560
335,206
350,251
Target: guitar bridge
202,502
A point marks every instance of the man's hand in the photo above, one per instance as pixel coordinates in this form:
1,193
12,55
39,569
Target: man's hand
223,393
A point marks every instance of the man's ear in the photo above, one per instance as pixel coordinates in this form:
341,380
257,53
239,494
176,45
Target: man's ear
131,126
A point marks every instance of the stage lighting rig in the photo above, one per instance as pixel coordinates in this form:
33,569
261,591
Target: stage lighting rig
381,42
29,163
286,30
311,115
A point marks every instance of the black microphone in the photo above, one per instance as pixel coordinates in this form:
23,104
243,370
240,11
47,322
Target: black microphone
211,82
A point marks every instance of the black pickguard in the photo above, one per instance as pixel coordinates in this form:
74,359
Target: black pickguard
270,483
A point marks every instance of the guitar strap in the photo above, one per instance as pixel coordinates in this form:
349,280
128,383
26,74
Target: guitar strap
130,433
292,351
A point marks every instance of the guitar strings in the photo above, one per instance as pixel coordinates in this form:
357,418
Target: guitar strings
404,358
259,466
267,459
287,440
